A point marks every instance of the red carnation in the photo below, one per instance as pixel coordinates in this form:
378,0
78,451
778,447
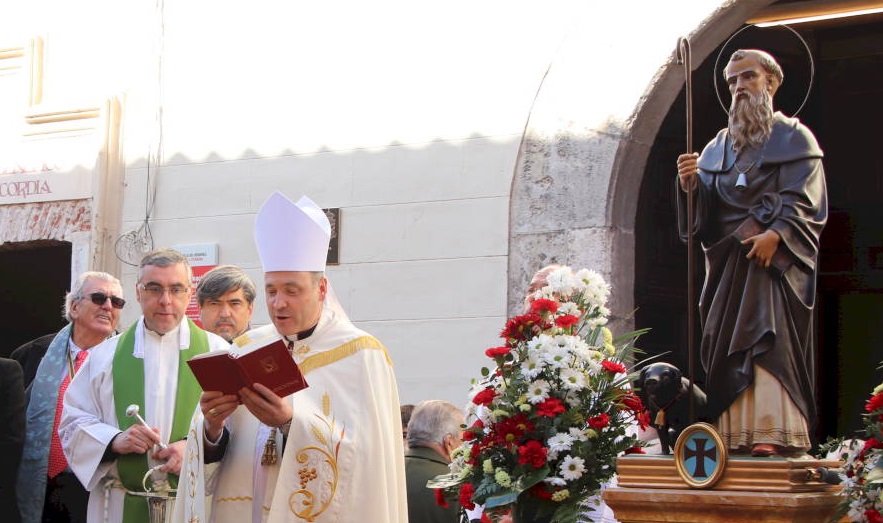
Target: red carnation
539,490
873,516
871,443
466,492
566,321
440,498
550,408
485,397
523,327
497,352
612,366
472,432
634,450
532,453
643,419
632,401
875,403
599,422
542,305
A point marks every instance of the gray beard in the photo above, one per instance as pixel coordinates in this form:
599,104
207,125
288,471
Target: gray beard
751,120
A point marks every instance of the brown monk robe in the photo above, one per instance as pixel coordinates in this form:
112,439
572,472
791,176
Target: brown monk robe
760,207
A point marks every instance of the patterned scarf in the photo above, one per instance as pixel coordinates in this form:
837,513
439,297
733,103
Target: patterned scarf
38,434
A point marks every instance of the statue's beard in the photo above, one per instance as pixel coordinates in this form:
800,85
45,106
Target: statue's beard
751,119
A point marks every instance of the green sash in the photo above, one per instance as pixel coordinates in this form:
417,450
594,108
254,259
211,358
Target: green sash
128,379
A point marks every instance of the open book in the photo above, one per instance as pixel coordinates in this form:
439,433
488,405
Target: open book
265,360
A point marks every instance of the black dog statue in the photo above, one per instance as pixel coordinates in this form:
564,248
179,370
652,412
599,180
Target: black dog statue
665,392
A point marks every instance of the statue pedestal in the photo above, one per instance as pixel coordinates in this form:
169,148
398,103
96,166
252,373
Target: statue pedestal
650,490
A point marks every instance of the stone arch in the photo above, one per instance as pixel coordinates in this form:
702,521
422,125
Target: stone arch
574,193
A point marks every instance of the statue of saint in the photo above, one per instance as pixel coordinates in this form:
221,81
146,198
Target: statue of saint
761,203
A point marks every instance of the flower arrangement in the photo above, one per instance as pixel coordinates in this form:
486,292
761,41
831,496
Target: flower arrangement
862,477
554,413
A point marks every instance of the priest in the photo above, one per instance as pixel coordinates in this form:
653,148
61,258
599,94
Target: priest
146,366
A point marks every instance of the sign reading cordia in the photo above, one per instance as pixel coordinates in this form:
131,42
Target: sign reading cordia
24,188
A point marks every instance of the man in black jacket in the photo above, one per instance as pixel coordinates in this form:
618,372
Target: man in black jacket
433,432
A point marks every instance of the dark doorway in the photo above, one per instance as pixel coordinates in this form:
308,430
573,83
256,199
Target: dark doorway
34,278
843,110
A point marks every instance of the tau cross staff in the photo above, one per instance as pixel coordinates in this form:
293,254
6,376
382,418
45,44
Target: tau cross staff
685,59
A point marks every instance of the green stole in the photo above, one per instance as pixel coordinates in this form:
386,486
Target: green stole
129,370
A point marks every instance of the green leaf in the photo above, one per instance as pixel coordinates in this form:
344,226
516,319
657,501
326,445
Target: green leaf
506,498
444,481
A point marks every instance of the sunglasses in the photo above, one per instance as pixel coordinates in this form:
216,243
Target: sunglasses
99,298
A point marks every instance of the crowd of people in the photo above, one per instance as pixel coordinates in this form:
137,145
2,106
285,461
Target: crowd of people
73,449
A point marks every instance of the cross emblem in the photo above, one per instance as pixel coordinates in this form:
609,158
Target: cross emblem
700,454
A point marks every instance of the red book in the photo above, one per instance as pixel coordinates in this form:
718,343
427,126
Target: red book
267,362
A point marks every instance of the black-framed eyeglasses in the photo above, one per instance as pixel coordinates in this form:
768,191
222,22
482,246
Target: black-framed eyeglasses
99,298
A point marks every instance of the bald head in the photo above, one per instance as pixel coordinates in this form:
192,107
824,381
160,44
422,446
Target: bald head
766,61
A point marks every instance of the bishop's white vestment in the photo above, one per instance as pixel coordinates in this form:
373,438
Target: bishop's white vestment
343,459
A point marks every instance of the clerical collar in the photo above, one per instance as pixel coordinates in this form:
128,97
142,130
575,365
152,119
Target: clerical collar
302,334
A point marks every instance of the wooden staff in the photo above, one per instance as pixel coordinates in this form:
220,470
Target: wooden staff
685,59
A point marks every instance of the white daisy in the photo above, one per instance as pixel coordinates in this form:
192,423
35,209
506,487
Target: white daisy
572,468
538,391
560,442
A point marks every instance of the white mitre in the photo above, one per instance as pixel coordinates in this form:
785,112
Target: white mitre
292,236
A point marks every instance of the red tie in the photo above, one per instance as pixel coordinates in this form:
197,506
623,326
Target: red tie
57,461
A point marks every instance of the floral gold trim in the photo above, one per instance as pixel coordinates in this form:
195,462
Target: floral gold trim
317,470
233,499
323,359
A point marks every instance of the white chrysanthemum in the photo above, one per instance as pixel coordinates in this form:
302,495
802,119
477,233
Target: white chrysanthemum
578,434
572,399
595,290
569,307
594,323
562,281
572,379
487,466
593,367
560,442
538,391
536,344
554,481
572,467
533,365
557,357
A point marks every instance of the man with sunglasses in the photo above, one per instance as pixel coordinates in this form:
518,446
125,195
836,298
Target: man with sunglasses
109,451
47,489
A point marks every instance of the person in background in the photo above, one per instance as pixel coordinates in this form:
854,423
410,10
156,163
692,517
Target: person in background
226,296
329,453
145,366
12,428
47,488
406,411
433,432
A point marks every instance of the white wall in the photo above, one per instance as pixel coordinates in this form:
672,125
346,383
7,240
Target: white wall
408,116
